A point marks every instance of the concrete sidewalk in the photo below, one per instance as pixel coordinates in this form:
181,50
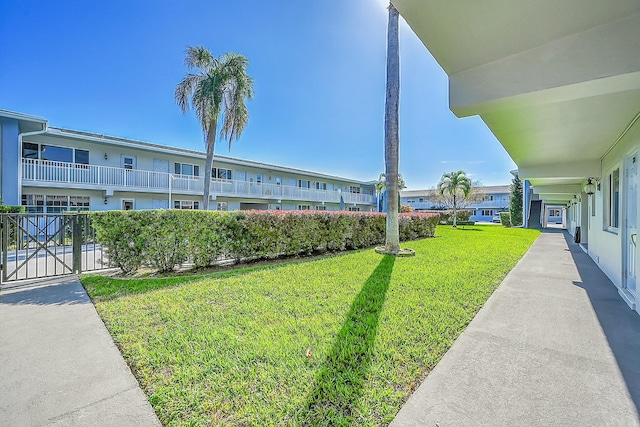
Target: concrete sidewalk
58,363
554,345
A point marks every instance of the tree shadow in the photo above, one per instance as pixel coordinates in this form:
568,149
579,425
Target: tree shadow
340,379
52,291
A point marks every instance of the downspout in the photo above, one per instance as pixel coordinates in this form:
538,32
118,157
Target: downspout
45,126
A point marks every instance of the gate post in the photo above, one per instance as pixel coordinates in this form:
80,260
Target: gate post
4,246
77,244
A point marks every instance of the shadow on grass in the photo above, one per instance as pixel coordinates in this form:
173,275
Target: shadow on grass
340,379
104,288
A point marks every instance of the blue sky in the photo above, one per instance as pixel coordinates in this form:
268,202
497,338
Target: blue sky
318,66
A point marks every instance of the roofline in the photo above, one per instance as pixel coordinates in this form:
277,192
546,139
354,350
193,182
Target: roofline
112,140
21,116
432,190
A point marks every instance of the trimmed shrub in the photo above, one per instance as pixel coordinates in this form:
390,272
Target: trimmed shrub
12,231
464,215
11,209
446,217
121,235
164,239
505,219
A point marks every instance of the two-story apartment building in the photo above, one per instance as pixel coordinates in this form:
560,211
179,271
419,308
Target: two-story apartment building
496,198
49,170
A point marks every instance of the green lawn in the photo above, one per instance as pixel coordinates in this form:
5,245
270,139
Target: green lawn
232,348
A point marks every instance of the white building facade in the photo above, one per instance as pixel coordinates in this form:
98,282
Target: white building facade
496,199
558,84
50,170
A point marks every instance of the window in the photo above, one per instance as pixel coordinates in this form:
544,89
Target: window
79,203
186,204
221,173
487,212
354,209
30,151
222,206
33,203
613,199
489,198
421,200
128,162
554,212
320,208
320,186
353,189
303,207
303,183
81,157
186,169
54,153
259,178
39,203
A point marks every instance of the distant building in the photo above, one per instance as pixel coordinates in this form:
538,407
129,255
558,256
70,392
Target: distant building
50,170
496,199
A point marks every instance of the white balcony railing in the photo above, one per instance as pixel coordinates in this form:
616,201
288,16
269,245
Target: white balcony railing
104,177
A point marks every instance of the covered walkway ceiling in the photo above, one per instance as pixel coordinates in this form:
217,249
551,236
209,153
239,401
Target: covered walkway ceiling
557,82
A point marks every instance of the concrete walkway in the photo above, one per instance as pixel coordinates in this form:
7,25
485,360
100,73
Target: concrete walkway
58,363
554,346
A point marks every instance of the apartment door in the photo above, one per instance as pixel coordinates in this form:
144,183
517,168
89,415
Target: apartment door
160,179
241,178
128,164
278,187
631,223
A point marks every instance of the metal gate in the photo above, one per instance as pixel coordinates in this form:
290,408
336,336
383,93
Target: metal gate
45,245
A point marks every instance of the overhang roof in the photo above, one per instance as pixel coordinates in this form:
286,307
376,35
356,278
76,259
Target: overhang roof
557,82
26,122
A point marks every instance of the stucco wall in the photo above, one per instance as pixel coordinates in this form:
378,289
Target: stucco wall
9,157
605,245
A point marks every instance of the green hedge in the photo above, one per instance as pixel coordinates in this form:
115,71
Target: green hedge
164,239
446,217
505,219
11,209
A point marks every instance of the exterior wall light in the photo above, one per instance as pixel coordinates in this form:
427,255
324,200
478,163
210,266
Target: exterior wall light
106,201
106,156
590,187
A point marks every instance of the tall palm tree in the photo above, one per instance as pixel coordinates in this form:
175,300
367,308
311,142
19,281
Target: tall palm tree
215,88
455,184
391,135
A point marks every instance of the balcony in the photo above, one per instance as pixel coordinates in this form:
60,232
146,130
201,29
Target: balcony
72,175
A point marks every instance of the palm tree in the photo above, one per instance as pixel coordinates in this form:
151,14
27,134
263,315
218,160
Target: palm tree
381,184
391,136
455,184
215,86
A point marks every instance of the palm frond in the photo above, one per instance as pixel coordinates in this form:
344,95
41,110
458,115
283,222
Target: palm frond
199,57
217,90
185,89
